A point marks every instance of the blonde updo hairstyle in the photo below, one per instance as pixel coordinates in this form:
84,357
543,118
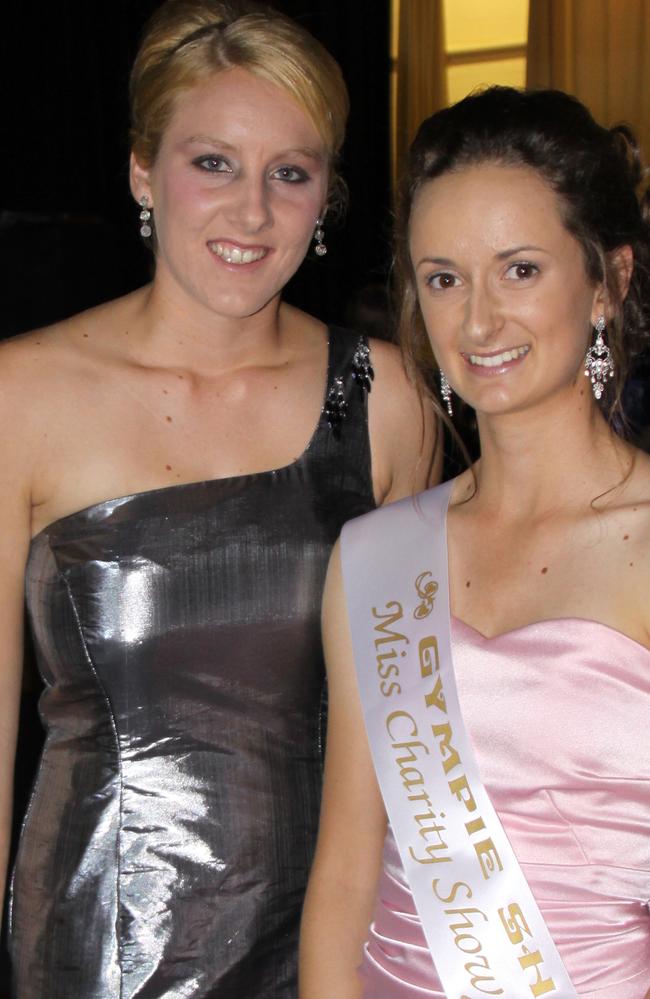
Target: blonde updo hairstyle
188,41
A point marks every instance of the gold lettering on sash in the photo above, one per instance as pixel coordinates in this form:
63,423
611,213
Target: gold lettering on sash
388,619
486,852
541,986
430,849
488,857
515,925
481,963
455,888
387,659
450,756
394,715
430,661
420,750
402,761
426,588
427,663
436,698
460,789
400,723
466,924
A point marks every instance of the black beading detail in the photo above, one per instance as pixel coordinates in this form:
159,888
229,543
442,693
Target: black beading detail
336,406
362,370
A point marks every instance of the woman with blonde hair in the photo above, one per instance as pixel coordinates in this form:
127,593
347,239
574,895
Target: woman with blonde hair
181,464
500,624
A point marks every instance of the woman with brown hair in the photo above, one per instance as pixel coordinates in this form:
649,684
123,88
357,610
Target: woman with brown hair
502,640
182,462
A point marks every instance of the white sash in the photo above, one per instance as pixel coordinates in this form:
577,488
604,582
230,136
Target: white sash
486,934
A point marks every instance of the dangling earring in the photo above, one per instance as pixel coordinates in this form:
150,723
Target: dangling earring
145,215
445,392
319,235
598,362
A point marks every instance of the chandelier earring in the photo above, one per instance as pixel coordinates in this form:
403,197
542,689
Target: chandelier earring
145,217
445,392
599,366
319,235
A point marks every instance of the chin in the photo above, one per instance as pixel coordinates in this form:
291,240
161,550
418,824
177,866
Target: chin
241,309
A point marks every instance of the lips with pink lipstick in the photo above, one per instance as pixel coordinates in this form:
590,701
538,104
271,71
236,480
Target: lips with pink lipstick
234,253
497,360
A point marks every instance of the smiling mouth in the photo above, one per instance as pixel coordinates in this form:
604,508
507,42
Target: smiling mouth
496,360
235,254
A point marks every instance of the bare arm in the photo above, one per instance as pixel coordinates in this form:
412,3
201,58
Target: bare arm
10,677
14,544
23,409
341,893
405,438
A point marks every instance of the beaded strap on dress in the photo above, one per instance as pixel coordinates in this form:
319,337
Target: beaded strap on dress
336,405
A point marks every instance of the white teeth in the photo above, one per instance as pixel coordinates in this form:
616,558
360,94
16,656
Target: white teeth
494,360
235,255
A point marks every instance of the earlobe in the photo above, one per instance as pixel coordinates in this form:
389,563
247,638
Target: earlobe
139,180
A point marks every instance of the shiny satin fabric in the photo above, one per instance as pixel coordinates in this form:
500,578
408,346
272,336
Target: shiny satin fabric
170,832
558,713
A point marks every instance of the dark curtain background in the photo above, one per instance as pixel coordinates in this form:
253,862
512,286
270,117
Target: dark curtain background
68,232
68,225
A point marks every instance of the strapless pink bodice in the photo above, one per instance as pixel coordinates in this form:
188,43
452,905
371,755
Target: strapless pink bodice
559,717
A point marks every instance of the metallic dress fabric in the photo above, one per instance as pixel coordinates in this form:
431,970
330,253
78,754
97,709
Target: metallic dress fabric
558,713
170,832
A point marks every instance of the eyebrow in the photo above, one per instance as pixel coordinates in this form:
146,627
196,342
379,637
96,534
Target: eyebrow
503,255
519,249
212,140
437,261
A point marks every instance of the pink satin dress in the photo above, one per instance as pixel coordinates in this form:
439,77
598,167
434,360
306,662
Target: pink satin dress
559,717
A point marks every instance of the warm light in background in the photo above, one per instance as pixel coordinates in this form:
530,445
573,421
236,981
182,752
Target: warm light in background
484,43
475,24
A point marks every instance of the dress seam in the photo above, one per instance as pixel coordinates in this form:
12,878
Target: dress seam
118,851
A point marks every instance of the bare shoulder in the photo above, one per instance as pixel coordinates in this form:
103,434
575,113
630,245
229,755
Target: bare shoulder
632,500
635,505
399,403
42,355
402,428
630,543
390,371
45,376
31,366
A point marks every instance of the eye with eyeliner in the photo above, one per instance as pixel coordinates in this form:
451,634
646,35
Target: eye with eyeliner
213,163
290,174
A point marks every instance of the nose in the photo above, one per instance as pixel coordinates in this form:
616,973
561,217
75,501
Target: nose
482,313
250,206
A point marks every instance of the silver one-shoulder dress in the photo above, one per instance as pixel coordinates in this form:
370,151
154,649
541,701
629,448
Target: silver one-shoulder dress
170,831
